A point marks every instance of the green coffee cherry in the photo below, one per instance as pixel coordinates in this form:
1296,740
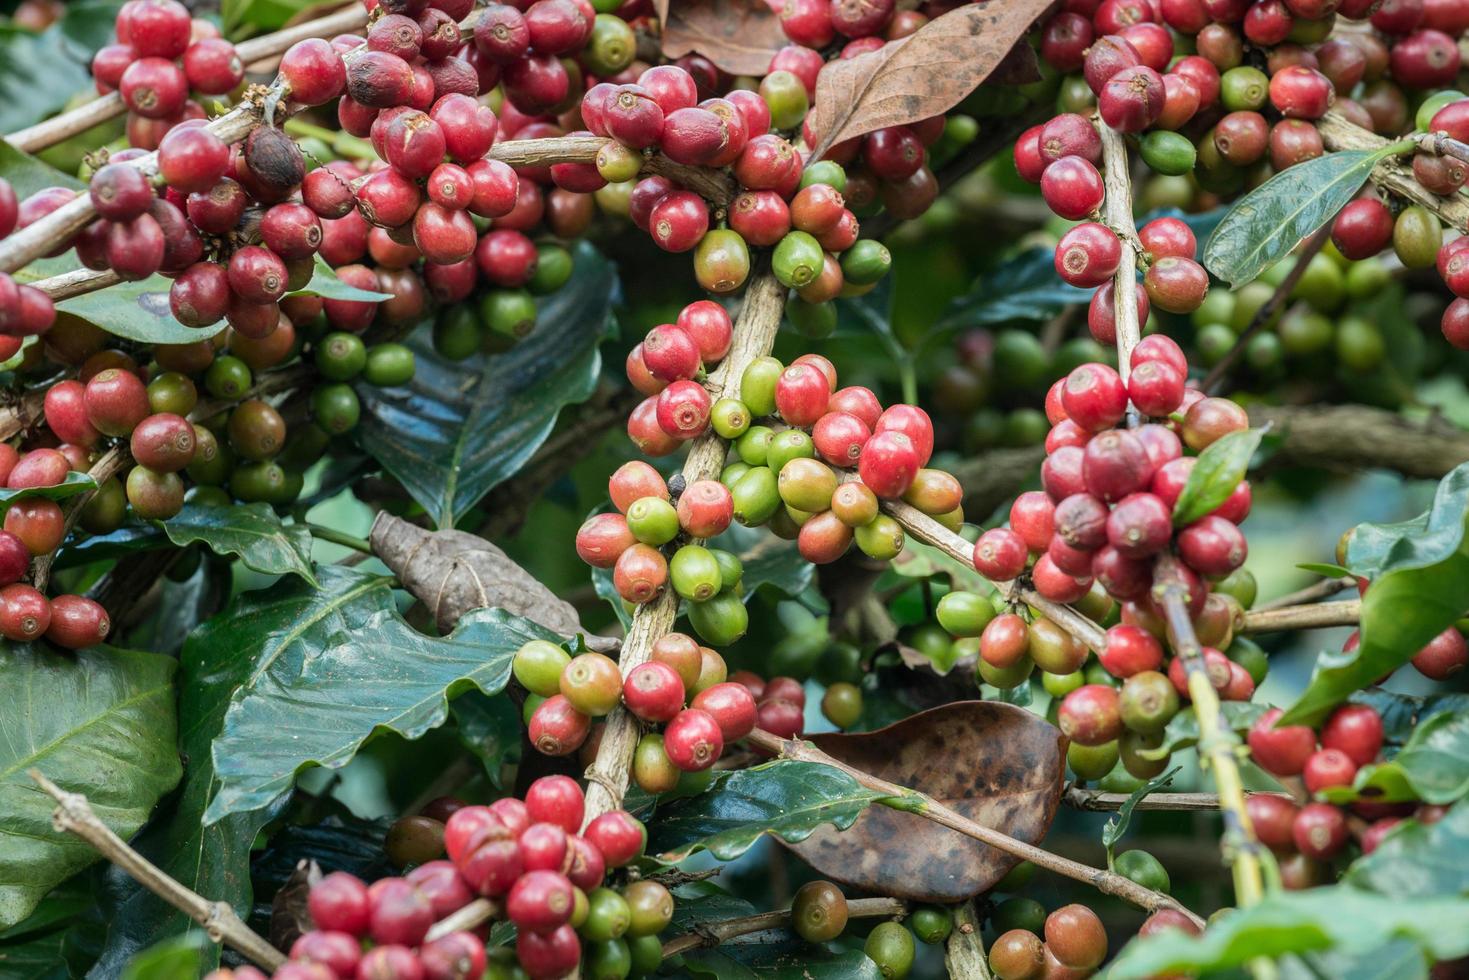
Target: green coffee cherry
606,959
457,333
1060,685
732,472
965,613
228,377
756,497
538,665
510,313
882,539
814,320
611,47
757,386
1018,913
1417,237
553,266
388,365
1143,868
788,445
335,408
341,356
721,261
786,96
1243,87
807,484
730,418
797,259
753,447
825,172
931,924
1168,152
1091,761
731,569
890,946
607,915
695,573
866,262
721,620
653,521
1006,678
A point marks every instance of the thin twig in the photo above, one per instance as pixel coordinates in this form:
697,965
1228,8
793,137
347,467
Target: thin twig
754,333
1216,741
1391,175
1097,801
706,934
471,916
1324,589
74,815
1309,617
1262,316
912,801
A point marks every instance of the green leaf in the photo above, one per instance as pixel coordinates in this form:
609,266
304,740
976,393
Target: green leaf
784,798
1269,221
459,429
1025,287
252,532
1339,918
1216,473
136,311
490,727
26,174
1402,611
1432,767
1183,730
287,623
243,17
1429,538
39,73
1403,713
98,722
325,283
919,560
74,484
172,959
401,681
1324,569
1117,824
1419,860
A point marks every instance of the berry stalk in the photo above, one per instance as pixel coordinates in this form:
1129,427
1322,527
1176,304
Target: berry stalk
754,334
1216,741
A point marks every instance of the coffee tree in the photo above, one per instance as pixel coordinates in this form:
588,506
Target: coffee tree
714,488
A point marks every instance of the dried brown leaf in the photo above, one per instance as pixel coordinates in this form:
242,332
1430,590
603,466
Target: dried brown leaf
997,764
452,572
739,36
921,75
289,917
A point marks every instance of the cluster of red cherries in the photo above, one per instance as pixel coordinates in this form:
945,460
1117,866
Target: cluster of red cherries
1309,834
544,872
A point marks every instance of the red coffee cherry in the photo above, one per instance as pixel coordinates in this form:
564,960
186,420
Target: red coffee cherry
552,954
1072,188
1356,730
1132,99
693,740
557,728
619,837
540,901
1212,546
1000,554
1176,285
1033,519
653,692
731,706
888,463
1167,236
339,903
1443,656
1139,526
1281,751
1094,397
1088,255
1069,134
1273,819
1130,650
77,622
1108,56
1327,768
1320,830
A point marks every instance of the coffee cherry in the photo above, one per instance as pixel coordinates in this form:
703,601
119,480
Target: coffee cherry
1327,768
693,740
540,901
1018,955
801,395
163,442
552,954
557,728
888,463
1177,285
24,612
1091,715
1320,830
1072,187
1088,255
1074,935
1443,656
592,683
1132,99
890,946
1356,730
818,911
653,692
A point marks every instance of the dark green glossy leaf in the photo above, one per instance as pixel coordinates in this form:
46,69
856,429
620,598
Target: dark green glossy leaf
99,722
172,959
490,727
1431,537
459,429
182,606
1397,959
325,283
1419,860
1269,221
1401,612
74,484
1340,918
253,532
784,798
398,680
65,952
1183,730
1116,826
1025,287
1403,713
1433,767
289,622
1216,473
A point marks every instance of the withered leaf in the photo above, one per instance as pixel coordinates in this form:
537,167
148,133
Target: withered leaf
997,764
452,572
289,917
921,75
739,36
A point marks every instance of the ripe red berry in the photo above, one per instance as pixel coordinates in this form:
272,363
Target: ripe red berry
618,835
731,706
1320,830
1281,751
1130,650
1327,768
540,901
678,221
1363,228
1132,99
1139,526
1033,518
1000,554
802,395
1212,546
1072,188
556,799
888,463
399,912
693,740
653,692
1091,714
1356,730
1088,255
339,902
557,728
